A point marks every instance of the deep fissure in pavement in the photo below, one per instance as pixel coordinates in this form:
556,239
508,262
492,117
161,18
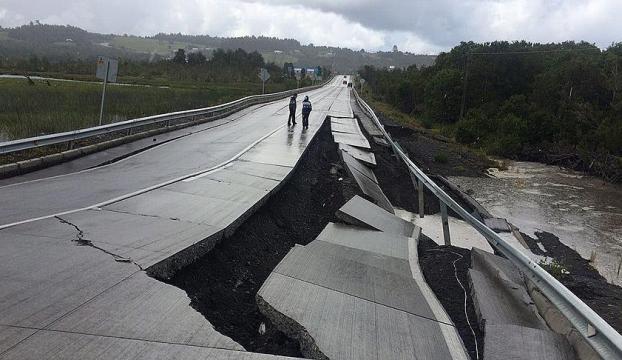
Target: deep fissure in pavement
222,285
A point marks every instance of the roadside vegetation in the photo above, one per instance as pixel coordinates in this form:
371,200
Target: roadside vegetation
554,103
188,81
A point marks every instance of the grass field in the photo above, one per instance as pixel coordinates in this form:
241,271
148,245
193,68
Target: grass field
32,110
148,45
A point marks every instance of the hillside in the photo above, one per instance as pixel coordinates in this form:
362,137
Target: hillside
58,43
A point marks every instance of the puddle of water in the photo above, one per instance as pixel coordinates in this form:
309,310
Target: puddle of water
583,211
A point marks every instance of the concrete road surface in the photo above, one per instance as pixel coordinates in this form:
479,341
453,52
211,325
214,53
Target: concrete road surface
174,160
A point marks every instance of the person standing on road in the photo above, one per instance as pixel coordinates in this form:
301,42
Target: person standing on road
306,110
292,110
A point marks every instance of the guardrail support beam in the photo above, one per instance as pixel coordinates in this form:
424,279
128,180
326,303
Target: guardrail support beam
445,221
420,197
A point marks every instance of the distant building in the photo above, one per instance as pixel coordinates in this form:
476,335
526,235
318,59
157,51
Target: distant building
395,48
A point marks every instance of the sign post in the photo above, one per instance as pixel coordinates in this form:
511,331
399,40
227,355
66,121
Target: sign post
298,76
264,75
106,70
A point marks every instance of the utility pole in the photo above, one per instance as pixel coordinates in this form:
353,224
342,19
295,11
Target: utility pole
464,85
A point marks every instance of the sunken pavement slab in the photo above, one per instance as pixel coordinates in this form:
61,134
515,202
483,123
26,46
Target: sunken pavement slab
353,293
512,327
353,150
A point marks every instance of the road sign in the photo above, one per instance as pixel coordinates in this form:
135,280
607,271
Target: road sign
264,75
107,69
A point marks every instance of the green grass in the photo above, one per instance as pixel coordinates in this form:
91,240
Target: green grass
392,112
32,110
441,158
278,59
148,45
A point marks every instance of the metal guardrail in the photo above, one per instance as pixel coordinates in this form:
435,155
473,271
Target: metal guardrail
217,111
597,332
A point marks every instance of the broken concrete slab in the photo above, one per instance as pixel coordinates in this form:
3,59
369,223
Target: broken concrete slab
463,235
56,345
144,308
358,211
501,302
363,155
348,121
369,186
369,125
344,128
352,163
364,239
351,139
335,325
495,266
381,141
524,343
498,224
386,263
354,278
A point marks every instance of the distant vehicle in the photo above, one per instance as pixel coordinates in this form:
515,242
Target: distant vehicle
349,84
345,82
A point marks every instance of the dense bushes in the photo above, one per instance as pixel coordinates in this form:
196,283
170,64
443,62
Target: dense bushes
519,100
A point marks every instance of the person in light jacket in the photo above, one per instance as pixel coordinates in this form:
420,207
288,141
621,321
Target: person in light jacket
306,110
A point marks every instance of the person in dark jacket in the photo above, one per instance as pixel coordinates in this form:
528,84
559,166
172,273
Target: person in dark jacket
306,110
292,110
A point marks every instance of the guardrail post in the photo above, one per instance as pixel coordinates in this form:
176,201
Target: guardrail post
420,196
445,221
70,145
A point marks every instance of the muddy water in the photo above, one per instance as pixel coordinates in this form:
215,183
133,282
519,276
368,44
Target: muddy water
583,211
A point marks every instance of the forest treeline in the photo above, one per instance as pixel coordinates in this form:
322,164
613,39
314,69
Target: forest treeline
554,103
223,66
60,42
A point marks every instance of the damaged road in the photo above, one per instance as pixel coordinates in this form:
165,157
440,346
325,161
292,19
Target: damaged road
82,241
223,284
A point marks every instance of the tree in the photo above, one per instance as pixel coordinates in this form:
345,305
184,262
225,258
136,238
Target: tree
196,58
180,56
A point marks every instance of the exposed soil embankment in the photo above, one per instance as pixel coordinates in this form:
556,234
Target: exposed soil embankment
223,284
437,155
580,277
437,263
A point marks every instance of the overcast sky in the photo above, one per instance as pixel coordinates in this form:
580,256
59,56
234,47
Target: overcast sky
421,26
